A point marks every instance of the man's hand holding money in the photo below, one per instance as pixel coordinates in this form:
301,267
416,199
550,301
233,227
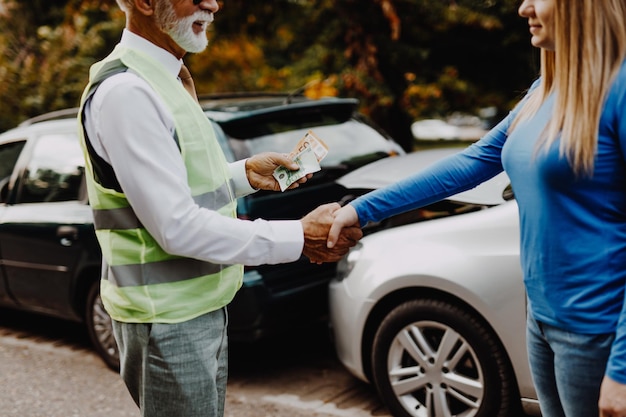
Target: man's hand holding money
260,169
274,171
307,154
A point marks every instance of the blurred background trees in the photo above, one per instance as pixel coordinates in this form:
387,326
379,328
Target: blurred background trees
403,59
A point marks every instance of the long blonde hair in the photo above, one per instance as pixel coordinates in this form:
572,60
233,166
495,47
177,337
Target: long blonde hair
590,46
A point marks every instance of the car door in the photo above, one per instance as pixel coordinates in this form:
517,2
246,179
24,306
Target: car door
45,230
9,153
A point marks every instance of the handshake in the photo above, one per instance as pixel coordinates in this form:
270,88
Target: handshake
329,232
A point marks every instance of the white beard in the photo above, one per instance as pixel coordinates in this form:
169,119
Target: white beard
181,29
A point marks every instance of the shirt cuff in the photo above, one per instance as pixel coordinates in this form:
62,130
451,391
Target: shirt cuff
289,239
240,179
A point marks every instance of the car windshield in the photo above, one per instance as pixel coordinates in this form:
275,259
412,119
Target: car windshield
347,142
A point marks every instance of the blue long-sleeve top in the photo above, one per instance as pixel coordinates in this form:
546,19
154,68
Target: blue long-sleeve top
572,227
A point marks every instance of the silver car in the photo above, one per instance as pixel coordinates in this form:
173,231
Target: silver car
433,313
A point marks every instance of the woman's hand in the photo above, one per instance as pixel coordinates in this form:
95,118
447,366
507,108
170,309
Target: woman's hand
344,217
612,398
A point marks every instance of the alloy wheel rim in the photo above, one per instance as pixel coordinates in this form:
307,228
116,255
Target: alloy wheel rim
433,371
104,329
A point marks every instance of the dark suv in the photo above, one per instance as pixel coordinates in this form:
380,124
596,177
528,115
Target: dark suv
49,256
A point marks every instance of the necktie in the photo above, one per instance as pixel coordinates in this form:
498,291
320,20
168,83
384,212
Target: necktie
185,78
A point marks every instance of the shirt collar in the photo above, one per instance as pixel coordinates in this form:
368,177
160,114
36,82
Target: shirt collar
169,61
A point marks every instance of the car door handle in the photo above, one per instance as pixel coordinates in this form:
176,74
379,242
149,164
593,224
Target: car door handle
68,234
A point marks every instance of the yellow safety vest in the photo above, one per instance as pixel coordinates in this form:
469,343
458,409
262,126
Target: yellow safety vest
142,283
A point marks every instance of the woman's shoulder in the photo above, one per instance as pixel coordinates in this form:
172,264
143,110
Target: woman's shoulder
616,95
621,73
535,84
618,87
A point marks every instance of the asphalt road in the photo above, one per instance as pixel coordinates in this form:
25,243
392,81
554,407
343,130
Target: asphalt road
47,369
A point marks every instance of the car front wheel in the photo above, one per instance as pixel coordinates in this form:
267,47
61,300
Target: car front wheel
433,358
100,328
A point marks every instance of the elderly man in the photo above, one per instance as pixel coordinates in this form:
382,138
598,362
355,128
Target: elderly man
164,202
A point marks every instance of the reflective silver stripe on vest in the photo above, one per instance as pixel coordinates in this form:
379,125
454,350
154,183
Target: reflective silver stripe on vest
120,219
171,270
125,218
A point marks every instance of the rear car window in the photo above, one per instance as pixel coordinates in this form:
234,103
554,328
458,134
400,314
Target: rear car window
9,153
55,170
349,141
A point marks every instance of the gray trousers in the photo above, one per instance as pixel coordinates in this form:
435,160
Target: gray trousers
176,370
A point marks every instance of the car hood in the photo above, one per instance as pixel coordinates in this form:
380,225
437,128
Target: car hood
390,170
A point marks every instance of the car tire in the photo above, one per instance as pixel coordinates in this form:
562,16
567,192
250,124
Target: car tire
100,328
434,358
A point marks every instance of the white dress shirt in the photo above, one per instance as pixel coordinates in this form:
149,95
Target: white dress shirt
130,127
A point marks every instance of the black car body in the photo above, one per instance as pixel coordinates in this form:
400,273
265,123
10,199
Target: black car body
49,256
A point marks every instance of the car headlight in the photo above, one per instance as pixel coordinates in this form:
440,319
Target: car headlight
347,263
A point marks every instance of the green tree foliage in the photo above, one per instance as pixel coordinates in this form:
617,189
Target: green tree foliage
49,46
404,59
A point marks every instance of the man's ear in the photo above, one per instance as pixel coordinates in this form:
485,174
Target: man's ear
145,7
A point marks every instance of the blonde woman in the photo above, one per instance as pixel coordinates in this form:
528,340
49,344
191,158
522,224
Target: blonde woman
564,149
